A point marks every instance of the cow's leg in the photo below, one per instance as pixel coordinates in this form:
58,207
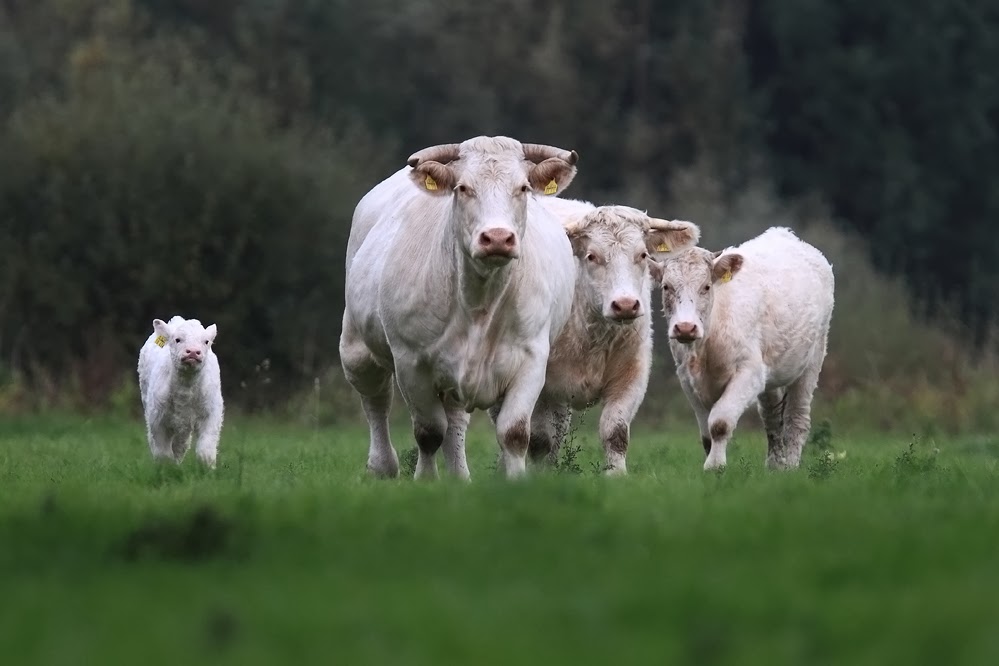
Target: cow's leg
797,416
513,422
741,391
549,425
454,442
700,412
771,408
207,443
428,415
374,384
161,443
623,395
181,443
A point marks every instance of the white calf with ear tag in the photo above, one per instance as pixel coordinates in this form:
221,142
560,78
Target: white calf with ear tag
181,389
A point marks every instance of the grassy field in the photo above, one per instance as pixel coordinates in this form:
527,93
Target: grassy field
290,554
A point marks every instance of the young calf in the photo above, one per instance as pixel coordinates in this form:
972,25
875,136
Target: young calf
181,390
604,353
750,323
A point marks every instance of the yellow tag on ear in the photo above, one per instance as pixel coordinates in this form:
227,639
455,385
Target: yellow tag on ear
551,187
160,340
662,247
727,276
430,183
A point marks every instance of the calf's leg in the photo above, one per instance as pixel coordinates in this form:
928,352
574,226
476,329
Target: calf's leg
771,405
741,391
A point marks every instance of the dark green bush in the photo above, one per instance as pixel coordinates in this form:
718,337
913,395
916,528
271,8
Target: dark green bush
145,191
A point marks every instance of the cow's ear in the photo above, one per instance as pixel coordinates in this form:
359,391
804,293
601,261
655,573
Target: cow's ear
434,177
160,327
576,231
671,235
551,176
656,269
725,267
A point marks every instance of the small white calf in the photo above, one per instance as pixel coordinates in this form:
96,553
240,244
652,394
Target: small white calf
181,390
750,324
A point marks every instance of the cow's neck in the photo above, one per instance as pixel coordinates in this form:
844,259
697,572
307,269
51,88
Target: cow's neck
480,292
691,357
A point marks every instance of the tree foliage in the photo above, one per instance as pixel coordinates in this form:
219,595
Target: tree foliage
162,156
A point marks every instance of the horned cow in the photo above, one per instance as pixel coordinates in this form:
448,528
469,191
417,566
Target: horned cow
458,282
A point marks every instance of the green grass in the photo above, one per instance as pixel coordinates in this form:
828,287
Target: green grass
290,554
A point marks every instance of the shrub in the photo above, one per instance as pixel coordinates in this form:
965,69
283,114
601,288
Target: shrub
146,190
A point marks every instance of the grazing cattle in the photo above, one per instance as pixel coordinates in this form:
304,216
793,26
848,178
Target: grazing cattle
604,353
750,323
181,389
458,282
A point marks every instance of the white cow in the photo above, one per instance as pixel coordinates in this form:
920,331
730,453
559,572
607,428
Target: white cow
750,324
458,282
181,389
604,353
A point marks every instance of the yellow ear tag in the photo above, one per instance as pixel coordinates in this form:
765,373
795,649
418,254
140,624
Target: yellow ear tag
662,247
160,340
551,187
430,183
727,276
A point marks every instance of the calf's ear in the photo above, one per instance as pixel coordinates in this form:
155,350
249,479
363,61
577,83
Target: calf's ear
656,270
210,332
725,267
551,176
671,235
161,328
577,237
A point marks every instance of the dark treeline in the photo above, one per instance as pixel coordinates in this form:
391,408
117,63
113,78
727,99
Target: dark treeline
181,156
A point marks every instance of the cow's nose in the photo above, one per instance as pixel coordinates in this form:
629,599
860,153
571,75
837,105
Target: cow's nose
193,352
498,242
685,331
625,308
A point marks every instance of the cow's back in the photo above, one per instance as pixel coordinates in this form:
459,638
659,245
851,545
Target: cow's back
780,302
382,201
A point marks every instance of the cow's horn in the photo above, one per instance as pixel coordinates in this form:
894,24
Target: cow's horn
537,152
443,153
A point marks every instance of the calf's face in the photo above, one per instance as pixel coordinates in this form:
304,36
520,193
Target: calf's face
687,281
490,180
613,245
188,342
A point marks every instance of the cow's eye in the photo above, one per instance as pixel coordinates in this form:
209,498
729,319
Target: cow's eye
177,340
590,256
524,188
645,255
706,288
463,189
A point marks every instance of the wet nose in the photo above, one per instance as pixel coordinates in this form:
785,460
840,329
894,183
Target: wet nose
685,330
193,352
625,308
497,242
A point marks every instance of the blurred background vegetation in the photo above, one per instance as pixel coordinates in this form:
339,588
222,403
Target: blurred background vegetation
203,158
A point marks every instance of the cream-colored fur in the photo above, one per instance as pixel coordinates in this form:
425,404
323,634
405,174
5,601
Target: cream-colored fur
750,325
600,356
459,330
